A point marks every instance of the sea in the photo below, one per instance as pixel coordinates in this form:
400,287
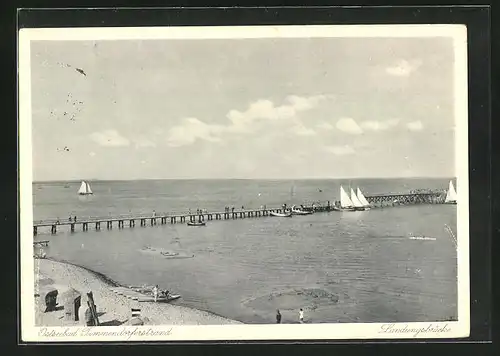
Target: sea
337,266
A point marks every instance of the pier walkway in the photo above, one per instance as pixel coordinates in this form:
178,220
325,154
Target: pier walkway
121,221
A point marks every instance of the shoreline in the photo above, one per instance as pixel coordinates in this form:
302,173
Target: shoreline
99,275
113,309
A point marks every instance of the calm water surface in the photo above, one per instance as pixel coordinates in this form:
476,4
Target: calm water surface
338,267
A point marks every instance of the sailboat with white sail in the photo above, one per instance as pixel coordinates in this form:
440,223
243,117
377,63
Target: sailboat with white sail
85,189
355,201
346,204
451,195
362,199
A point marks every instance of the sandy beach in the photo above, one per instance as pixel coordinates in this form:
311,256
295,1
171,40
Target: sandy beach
112,309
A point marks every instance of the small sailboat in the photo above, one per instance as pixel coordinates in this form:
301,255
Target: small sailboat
281,215
346,204
362,199
85,189
451,195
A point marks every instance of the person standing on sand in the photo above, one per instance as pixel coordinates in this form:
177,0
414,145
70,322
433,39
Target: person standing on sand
278,316
155,292
301,316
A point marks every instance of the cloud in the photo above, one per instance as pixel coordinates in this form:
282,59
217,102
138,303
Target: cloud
91,154
109,138
403,68
325,126
350,126
190,130
241,121
248,121
373,125
301,130
415,126
158,131
341,150
143,142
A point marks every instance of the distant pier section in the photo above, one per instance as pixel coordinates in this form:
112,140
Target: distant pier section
122,221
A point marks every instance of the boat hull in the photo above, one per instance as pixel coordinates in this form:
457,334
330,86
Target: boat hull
346,209
298,212
159,299
196,224
289,215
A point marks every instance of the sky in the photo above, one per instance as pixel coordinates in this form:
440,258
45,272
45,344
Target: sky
243,108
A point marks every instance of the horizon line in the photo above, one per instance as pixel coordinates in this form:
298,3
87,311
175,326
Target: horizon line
281,178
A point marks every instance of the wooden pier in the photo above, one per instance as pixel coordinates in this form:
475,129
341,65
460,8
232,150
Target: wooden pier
376,201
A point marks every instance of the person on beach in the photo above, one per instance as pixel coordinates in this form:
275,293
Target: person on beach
301,316
155,292
70,219
74,219
154,213
278,316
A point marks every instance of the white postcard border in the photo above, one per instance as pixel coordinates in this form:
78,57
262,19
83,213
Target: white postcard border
29,332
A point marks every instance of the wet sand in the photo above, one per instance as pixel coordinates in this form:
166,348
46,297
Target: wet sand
112,309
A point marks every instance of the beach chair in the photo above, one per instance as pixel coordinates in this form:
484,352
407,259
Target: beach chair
136,317
72,300
50,299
